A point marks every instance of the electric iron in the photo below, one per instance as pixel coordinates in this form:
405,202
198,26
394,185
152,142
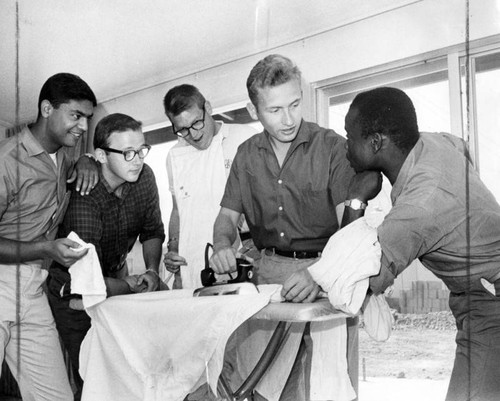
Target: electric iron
241,284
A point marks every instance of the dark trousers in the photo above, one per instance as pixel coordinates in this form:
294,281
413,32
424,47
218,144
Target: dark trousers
72,326
476,371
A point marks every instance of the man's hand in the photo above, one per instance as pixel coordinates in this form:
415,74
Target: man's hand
65,251
300,287
173,261
132,282
148,281
86,174
223,260
365,185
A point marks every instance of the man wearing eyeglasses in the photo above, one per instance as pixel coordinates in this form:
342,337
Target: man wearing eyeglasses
122,207
197,166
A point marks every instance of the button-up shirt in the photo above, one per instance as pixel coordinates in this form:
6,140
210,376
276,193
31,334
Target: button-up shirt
112,223
32,189
433,205
291,207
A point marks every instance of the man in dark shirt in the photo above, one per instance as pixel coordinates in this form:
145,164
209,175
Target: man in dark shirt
291,182
123,206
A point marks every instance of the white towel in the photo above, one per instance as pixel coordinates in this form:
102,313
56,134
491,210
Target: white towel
350,257
86,275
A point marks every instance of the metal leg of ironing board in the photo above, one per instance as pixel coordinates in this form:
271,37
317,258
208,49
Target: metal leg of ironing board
260,368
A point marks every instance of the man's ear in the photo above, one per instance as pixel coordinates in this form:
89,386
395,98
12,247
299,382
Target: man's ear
252,111
46,108
208,107
376,141
101,156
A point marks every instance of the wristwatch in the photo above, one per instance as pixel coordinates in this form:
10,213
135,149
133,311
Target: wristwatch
355,204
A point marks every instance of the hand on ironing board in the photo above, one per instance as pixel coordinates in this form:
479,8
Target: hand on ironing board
300,287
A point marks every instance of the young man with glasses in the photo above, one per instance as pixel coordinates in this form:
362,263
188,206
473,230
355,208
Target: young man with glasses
197,166
123,206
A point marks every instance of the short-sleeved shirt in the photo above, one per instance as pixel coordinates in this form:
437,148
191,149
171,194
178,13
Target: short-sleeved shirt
291,207
433,205
32,189
112,223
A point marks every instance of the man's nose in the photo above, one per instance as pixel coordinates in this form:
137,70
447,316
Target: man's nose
195,134
83,124
287,118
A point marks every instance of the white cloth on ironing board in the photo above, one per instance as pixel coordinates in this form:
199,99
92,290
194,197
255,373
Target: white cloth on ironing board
160,346
198,179
86,275
349,258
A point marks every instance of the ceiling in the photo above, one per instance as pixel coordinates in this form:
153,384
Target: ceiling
121,46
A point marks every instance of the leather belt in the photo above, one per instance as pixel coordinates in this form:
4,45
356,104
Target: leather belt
293,254
244,236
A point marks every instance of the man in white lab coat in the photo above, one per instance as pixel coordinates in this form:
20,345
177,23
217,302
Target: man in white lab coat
197,166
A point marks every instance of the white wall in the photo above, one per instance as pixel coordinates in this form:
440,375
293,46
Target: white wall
411,30
421,27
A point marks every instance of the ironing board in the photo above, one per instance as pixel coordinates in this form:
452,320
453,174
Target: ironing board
284,314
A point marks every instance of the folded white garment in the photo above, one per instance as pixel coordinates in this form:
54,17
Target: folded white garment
86,275
350,257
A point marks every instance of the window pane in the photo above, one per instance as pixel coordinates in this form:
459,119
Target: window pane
488,120
431,101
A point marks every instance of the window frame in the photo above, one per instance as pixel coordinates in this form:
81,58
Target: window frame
450,59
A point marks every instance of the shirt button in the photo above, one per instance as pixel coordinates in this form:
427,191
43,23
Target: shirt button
280,182
282,234
280,208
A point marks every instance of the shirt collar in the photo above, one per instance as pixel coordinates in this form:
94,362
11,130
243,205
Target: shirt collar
125,187
30,143
405,170
304,135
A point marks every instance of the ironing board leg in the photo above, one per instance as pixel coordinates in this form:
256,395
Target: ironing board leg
260,368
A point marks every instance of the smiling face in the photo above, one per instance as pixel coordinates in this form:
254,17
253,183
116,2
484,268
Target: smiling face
279,110
66,124
116,170
202,138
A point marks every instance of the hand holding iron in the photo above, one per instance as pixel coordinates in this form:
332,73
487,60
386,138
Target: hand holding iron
223,259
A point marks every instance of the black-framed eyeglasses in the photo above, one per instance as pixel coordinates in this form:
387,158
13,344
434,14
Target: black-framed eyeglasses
197,125
129,155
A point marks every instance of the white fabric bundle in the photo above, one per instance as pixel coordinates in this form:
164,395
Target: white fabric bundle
86,275
350,257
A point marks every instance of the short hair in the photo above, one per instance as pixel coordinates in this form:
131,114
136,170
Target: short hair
116,122
64,87
181,98
271,71
389,111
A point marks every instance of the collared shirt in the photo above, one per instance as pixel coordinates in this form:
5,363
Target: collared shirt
433,204
32,188
291,207
112,223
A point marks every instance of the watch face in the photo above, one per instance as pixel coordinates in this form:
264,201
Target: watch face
355,204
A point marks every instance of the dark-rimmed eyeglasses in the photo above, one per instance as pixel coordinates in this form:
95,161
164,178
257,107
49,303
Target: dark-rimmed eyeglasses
129,155
197,125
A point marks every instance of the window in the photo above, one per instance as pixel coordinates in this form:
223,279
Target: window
484,116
